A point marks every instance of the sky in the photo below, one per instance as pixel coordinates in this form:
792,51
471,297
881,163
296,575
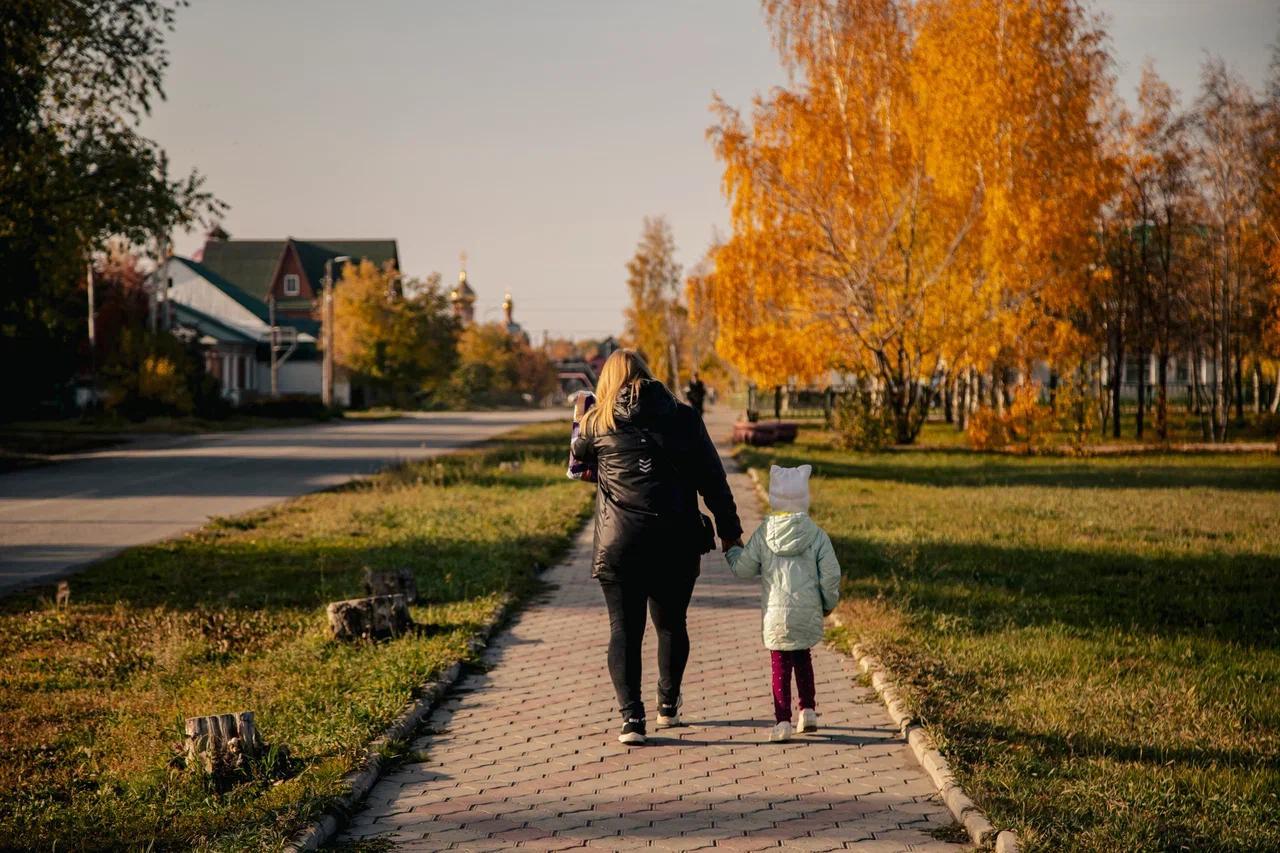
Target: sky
535,135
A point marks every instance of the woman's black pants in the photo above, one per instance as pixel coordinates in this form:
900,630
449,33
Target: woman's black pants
667,599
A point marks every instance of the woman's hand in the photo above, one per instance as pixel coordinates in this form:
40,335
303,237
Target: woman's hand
726,544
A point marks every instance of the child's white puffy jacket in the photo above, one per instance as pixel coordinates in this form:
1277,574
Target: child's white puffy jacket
799,578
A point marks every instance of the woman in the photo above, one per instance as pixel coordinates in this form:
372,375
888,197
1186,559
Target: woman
652,457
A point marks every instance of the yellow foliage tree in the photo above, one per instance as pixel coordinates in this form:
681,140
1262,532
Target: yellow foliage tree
913,200
397,336
655,319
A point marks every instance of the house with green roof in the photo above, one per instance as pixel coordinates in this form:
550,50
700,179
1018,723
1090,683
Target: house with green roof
229,293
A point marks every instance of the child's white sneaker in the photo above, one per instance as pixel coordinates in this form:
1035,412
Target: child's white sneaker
781,732
808,721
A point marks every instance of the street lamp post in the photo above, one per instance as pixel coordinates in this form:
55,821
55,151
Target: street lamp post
326,316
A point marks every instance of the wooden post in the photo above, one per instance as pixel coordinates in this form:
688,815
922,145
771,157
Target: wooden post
377,617
221,742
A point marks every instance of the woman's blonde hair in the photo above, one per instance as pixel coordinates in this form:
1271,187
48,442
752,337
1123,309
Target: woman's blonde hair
624,369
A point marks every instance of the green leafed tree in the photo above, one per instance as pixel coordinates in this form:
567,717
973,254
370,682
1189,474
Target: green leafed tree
76,78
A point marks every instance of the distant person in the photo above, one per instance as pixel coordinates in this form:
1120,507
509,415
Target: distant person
696,393
800,585
652,457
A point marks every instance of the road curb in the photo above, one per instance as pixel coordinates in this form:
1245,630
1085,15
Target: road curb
961,805
359,782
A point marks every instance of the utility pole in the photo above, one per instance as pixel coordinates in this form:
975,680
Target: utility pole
275,365
93,332
326,314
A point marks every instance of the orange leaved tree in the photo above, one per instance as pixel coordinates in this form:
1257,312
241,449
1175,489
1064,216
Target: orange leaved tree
915,199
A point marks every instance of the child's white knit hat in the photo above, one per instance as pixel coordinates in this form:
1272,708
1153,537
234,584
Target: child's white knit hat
789,488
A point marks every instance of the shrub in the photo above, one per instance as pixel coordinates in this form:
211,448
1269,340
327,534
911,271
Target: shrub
1077,411
154,373
1026,424
861,422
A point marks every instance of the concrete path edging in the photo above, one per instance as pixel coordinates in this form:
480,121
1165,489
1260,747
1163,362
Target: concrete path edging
360,781
966,812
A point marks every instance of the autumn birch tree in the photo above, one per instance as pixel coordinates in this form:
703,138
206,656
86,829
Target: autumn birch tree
910,201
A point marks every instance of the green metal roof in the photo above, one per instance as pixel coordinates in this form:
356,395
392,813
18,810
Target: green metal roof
313,254
252,264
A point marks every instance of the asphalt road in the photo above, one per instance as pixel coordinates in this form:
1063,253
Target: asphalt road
56,519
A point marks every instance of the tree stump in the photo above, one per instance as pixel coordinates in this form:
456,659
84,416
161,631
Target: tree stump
222,742
394,582
378,617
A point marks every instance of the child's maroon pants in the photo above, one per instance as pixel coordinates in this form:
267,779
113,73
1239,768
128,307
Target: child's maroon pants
784,663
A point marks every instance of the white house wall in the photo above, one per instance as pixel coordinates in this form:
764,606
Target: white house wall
296,377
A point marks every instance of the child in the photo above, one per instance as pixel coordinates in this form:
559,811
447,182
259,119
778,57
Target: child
800,582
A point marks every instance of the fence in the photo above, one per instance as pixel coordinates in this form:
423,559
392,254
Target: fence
794,403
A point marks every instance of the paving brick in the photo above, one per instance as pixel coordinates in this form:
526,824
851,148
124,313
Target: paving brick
525,754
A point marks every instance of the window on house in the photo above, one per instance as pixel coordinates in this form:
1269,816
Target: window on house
291,286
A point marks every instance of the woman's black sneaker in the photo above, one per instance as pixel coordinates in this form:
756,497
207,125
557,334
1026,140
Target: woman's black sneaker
669,715
632,732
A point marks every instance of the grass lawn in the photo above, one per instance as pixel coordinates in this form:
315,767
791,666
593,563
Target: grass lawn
1094,643
232,618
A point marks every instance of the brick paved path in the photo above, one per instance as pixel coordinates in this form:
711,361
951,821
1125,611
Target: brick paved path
524,756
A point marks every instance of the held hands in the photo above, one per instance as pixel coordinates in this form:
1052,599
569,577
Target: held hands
726,544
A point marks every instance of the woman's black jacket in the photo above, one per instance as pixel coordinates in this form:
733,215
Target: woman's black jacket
649,472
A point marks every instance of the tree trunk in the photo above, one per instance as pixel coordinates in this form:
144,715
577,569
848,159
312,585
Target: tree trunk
1198,386
1237,369
1143,359
1257,388
221,743
378,617
949,398
1117,376
1275,393
1162,394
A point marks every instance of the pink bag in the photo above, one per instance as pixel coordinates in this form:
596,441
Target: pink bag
580,470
